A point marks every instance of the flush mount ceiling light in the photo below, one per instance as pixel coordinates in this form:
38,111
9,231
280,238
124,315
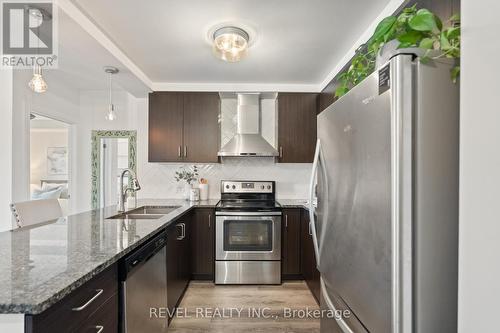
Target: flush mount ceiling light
230,43
37,83
111,115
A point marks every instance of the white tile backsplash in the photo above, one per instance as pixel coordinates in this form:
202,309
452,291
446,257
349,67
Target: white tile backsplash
157,180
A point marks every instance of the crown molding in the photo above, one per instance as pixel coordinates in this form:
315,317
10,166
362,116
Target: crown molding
239,87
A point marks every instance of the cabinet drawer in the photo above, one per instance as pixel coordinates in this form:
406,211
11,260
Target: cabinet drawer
104,319
72,311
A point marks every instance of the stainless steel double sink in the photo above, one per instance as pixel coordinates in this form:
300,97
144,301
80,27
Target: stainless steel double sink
145,213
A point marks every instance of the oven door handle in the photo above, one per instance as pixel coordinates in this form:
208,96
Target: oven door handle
249,214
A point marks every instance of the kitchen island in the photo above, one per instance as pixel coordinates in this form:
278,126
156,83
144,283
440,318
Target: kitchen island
41,265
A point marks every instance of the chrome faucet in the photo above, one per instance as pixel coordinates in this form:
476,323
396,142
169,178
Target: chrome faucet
123,192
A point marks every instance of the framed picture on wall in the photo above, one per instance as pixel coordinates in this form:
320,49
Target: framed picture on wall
57,160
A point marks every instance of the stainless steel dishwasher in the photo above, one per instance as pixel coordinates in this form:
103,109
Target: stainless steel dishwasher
143,289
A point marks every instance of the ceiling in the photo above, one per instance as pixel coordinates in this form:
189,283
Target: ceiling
81,59
44,123
297,43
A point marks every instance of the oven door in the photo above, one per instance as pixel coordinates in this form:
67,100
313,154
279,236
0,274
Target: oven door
248,237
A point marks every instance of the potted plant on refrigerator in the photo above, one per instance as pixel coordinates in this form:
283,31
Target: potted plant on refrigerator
413,28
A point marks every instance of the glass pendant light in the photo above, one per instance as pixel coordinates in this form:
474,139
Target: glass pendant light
230,43
111,114
37,83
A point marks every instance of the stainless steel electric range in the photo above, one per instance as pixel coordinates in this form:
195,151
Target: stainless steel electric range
248,234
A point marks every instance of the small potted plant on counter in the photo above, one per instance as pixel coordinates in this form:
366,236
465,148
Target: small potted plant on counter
188,177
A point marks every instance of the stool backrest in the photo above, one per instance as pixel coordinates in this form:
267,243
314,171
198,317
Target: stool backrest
32,212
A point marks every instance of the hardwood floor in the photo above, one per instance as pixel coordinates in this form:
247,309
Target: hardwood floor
210,308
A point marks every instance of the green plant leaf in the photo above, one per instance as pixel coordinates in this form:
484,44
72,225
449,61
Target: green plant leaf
427,43
439,23
410,10
404,45
412,37
341,91
424,20
453,32
382,28
454,18
445,43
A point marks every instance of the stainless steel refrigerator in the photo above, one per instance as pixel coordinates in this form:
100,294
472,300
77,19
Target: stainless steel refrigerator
385,227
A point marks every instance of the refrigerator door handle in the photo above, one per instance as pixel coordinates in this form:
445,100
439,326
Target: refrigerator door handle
340,321
312,224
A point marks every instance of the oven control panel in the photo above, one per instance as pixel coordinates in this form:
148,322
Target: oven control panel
247,187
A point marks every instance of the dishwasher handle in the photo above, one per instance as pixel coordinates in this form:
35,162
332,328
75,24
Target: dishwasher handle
142,255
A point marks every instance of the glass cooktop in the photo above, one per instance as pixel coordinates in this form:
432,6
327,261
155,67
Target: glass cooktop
248,205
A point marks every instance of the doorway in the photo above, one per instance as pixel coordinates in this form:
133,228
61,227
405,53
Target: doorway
49,160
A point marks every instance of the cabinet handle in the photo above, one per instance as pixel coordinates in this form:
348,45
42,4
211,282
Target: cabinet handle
209,218
183,231
310,231
185,151
286,221
179,152
281,152
99,328
180,236
80,308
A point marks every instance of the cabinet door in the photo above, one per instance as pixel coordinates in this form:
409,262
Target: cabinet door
297,127
104,319
165,126
62,316
203,244
173,281
185,254
291,243
201,127
309,270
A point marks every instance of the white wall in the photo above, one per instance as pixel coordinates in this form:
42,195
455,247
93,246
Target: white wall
93,107
6,84
40,140
83,110
60,102
479,276
157,180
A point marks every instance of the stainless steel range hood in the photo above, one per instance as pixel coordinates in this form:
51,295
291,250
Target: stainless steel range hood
248,140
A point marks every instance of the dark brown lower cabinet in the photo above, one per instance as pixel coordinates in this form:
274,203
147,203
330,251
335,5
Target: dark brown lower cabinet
105,319
203,244
308,259
190,254
290,241
93,304
178,260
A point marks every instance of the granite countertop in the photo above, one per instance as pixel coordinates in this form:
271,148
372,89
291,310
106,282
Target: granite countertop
40,265
294,203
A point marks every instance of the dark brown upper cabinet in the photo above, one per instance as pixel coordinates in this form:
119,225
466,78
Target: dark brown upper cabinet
297,127
183,126
201,127
166,114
